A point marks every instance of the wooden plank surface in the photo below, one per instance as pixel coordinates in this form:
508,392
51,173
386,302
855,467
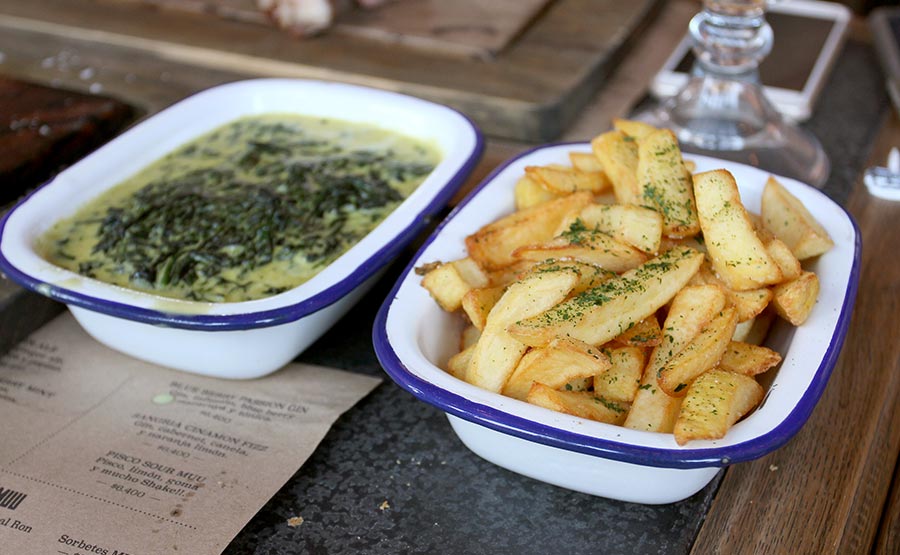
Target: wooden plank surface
824,491
531,92
463,27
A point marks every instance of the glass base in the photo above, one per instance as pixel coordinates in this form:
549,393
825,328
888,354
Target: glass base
732,119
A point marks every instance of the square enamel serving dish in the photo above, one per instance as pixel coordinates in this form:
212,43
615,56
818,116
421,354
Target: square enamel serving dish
414,339
242,339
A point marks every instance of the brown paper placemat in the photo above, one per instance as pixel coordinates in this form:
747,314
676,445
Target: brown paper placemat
105,454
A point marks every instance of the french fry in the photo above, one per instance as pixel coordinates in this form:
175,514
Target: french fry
477,304
782,255
448,283
600,314
497,353
529,192
502,277
795,299
492,245
618,154
737,254
620,382
562,361
748,303
754,331
645,333
637,130
747,359
714,402
458,365
562,181
665,185
585,161
691,309
635,225
585,245
589,275
786,217
702,353
577,403
468,337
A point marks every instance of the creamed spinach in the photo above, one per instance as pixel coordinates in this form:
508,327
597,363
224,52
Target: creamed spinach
249,210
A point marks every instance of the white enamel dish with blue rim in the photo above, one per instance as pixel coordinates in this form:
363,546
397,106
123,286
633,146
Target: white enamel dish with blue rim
414,339
241,339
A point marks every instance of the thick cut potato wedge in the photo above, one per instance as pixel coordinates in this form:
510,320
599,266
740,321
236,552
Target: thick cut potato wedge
468,337
448,283
583,404
563,361
563,181
477,304
714,402
585,161
635,225
645,333
691,309
748,303
620,382
585,245
795,299
702,353
618,154
755,330
458,365
786,217
492,245
737,254
589,275
747,359
509,274
635,129
787,262
665,185
600,314
529,192
497,353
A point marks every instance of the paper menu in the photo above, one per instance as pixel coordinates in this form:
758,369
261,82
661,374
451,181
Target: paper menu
105,454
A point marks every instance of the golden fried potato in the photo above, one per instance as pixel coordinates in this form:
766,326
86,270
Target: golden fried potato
620,382
786,217
492,245
737,254
583,404
529,192
714,402
585,245
665,185
562,361
497,353
600,314
562,181
747,359
795,299
700,354
618,154
448,283
478,302
635,225
585,161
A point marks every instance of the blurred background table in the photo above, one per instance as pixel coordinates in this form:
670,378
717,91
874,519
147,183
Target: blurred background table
827,491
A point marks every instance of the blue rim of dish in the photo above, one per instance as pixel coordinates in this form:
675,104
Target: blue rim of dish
501,421
271,317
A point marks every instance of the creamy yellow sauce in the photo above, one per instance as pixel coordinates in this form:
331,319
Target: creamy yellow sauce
249,210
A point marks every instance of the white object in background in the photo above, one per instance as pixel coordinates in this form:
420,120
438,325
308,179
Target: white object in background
885,182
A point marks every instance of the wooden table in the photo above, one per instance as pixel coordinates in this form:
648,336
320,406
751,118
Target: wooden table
835,487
